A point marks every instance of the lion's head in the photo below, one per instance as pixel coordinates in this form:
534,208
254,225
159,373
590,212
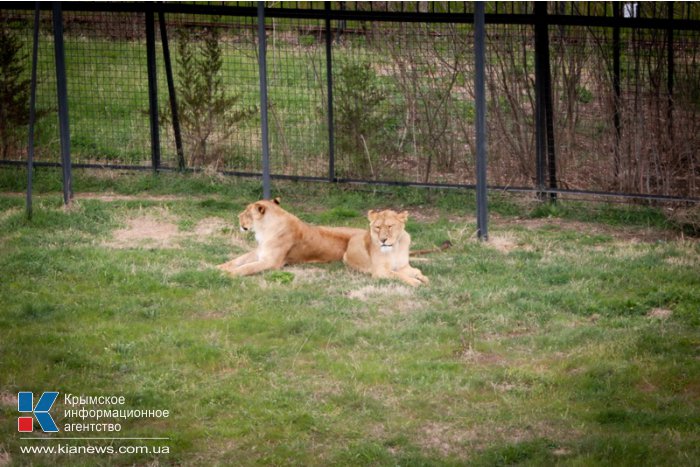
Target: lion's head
386,227
254,212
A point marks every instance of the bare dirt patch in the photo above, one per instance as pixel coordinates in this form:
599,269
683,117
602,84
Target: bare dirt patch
5,458
692,391
146,231
157,228
8,400
647,387
445,439
659,313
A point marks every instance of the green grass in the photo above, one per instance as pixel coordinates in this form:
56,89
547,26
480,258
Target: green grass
540,347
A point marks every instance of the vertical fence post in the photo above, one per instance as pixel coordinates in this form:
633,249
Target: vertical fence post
540,125
171,91
152,90
616,91
544,113
670,71
262,65
549,114
329,77
480,97
62,95
32,111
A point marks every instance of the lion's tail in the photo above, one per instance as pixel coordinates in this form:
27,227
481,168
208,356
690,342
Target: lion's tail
444,246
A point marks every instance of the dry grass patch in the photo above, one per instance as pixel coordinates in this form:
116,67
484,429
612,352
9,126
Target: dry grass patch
628,250
8,399
504,242
446,439
307,274
621,233
371,292
238,241
470,355
146,231
210,226
684,261
9,212
157,228
689,254
111,197
659,313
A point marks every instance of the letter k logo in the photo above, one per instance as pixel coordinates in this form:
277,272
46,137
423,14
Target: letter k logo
25,403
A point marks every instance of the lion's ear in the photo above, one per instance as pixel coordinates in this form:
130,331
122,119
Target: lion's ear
403,216
260,208
372,215
277,200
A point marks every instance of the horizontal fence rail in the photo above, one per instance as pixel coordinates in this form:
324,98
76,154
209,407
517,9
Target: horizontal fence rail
378,93
351,181
366,15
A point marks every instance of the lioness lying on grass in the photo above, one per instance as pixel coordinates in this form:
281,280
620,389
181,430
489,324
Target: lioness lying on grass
285,239
383,250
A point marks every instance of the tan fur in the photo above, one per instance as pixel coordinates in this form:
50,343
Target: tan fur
383,250
285,239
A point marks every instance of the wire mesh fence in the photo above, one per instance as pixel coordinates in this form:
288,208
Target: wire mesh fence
625,99
215,72
297,110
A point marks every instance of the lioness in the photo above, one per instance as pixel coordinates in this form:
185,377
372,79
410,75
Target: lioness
383,250
285,239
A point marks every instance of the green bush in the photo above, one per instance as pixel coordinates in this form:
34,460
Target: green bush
359,118
209,115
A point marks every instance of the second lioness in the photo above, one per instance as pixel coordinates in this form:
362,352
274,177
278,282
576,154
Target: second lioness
285,239
383,250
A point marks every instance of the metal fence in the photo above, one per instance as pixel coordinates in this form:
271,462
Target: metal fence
583,97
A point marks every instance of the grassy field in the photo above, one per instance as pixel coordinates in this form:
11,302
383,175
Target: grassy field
572,337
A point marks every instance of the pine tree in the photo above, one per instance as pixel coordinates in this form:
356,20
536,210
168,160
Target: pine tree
14,92
208,113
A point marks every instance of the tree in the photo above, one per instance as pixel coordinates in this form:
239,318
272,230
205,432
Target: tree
14,92
209,115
